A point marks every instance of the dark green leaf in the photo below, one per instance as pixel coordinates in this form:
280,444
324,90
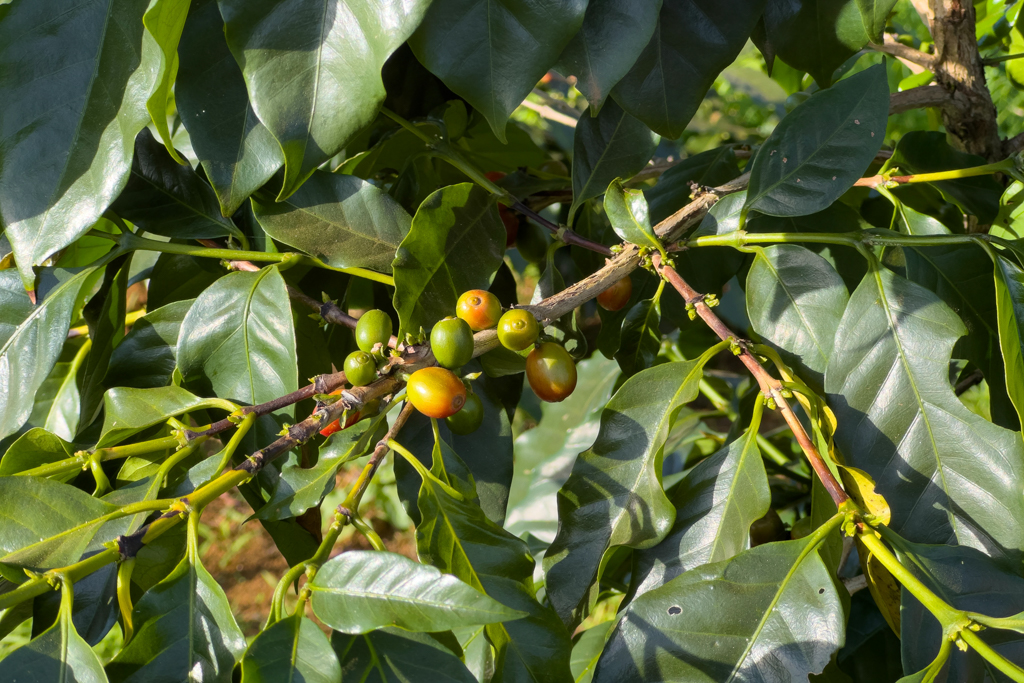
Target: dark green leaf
105,315
607,146
1009,281
145,358
342,220
176,277
723,217
32,336
492,53
359,591
640,340
95,609
771,613
394,656
128,411
612,36
456,243
293,649
672,191
166,198
312,70
164,20
821,148
944,470
237,152
628,213
715,505
614,495
815,36
795,300
693,42
82,74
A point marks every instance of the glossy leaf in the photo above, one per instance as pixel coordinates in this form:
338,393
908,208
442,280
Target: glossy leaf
614,495
768,613
612,36
342,220
128,411
692,43
492,53
31,336
58,400
34,448
836,25
874,14
456,243
672,191
821,148
640,339
393,656
795,300
237,152
105,318
292,649
359,591
587,651
82,74
145,358
627,210
312,69
164,20
166,198
944,470
716,502
607,146
1009,282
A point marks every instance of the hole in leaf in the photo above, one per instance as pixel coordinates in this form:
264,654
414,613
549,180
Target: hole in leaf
820,591
674,610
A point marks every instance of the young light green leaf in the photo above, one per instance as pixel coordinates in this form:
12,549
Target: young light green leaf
614,495
58,400
491,52
587,651
359,591
34,448
292,649
770,611
607,146
128,411
821,148
315,94
612,36
164,20
342,220
82,74
456,243
394,656
627,211
1009,282
692,43
944,470
237,152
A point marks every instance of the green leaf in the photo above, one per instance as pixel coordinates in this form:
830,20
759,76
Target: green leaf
342,220
945,471
128,411
166,198
184,630
34,448
394,656
58,400
628,213
1009,282
821,148
612,36
836,27
672,191
145,358
237,152
105,315
770,611
292,649
492,53
587,651
795,300
359,591
47,524
640,340
82,74
312,69
32,336
607,146
297,489
456,243
693,42
716,502
57,654
614,495
164,20
874,14
545,454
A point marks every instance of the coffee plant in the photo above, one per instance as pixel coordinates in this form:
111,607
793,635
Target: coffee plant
689,332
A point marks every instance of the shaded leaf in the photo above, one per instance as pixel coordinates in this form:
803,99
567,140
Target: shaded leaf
587,651
393,656
874,14
1009,283
672,191
821,148
640,339
836,27
145,358
292,649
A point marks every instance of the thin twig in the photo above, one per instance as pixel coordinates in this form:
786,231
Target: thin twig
904,52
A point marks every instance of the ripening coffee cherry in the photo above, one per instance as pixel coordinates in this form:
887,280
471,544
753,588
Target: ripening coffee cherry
469,419
551,372
436,392
451,341
374,327
360,368
517,329
479,308
617,296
